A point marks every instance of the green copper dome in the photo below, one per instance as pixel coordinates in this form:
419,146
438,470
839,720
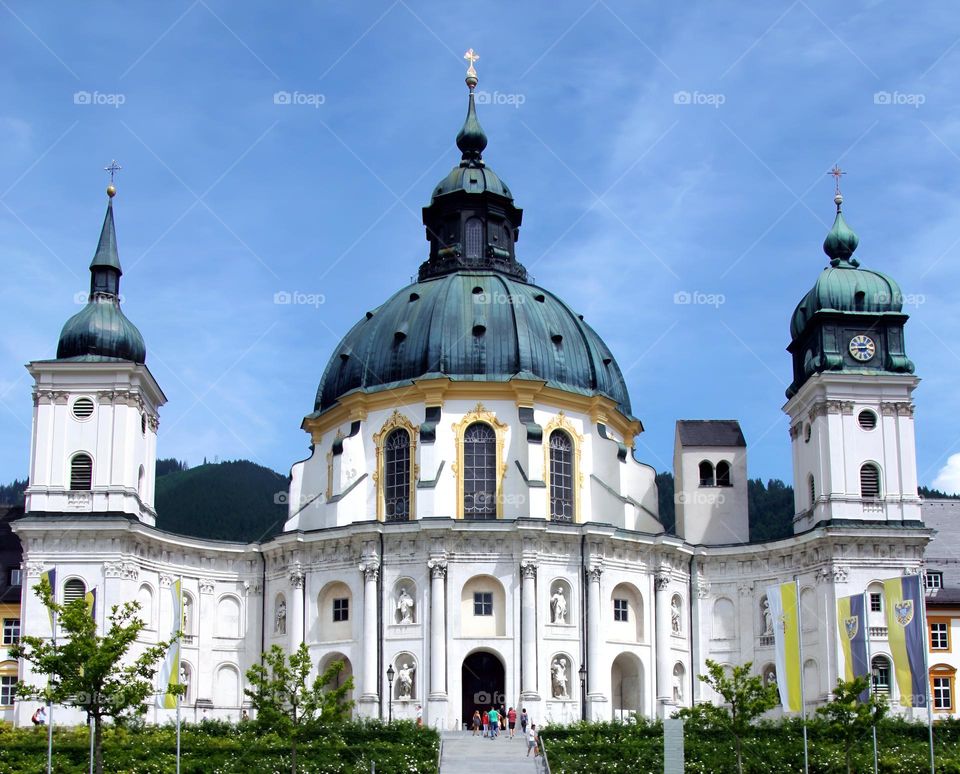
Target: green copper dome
472,326
844,286
101,331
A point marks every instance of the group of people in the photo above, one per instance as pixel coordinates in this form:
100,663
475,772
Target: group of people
493,723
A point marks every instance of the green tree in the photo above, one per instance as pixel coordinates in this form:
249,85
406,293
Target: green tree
89,671
745,698
287,704
851,719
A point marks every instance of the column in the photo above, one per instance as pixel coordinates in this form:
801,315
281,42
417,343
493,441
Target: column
663,624
371,572
595,679
295,611
528,630
438,629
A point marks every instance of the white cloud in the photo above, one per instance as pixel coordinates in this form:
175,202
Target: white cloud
948,479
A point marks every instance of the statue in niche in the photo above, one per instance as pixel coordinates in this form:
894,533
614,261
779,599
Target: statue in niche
767,617
280,624
558,606
405,606
677,687
558,671
405,682
185,682
675,615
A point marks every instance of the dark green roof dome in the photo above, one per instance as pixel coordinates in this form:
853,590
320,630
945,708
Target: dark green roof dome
472,180
472,326
844,286
101,331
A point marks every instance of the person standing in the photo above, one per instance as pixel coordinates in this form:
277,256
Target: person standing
486,722
419,716
532,740
523,721
512,721
502,714
494,717
476,722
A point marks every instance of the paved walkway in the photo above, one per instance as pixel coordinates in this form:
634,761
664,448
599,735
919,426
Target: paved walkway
464,753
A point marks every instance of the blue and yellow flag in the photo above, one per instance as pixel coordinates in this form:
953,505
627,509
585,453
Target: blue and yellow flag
852,625
170,669
785,610
91,599
903,601
51,578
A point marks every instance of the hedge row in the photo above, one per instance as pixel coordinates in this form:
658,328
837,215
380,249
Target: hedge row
223,748
635,748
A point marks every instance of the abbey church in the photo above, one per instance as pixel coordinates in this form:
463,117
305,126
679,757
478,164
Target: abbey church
472,525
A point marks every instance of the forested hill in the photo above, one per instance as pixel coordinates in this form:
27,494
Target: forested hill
226,501
770,507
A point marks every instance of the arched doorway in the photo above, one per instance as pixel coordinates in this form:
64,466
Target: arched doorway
481,683
626,679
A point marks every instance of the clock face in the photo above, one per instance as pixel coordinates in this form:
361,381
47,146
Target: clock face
862,348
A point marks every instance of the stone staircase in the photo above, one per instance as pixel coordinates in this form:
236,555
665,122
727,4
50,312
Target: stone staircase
464,753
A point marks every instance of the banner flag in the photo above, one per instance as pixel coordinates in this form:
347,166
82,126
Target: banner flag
91,599
785,610
852,625
51,576
170,669
903,600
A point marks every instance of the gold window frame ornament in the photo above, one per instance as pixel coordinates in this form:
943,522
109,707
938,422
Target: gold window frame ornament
948,673
396,421
480,414
562,422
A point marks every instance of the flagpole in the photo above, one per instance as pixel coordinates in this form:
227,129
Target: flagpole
50,708
926,666
803,699
870,692
177,627
178,733
90,724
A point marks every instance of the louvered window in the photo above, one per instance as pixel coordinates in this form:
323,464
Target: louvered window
870,481
73,589
474,239
81,472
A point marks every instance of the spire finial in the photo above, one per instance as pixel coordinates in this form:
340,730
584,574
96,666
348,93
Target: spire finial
837,173
112,169
471,56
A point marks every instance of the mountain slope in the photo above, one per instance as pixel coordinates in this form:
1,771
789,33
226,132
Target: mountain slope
225,501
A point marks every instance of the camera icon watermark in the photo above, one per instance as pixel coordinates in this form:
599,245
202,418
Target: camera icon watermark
497,297
705,497
903,299
714,100
299,298
699,298
299,98
99,98
500,98
914,100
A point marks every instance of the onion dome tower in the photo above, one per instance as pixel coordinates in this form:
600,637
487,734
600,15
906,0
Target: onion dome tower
850,403
96,405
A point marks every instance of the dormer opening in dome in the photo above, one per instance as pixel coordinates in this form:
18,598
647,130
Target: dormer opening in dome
852,319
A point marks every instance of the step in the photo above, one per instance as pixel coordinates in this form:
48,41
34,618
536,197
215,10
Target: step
464,753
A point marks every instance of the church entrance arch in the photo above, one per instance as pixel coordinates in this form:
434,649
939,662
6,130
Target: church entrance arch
482,683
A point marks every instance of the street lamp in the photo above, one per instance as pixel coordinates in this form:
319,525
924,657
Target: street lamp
583,692
390,675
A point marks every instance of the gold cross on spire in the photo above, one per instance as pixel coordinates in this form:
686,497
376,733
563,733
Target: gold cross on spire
471,57
836,172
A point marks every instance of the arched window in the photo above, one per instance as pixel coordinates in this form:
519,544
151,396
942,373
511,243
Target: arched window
561,476
723,473
396,471
474,239
811,485
706,473
81,473
880,666
870,481
479,472
73,590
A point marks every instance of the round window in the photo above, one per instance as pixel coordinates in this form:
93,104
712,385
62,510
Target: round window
83,408
867,419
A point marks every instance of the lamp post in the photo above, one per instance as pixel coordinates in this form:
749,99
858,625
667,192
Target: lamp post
583,692
390,675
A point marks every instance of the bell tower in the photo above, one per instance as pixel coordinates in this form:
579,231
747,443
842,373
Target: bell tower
95,415
850,403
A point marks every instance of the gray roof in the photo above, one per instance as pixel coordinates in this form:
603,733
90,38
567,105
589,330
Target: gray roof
943,552
710,432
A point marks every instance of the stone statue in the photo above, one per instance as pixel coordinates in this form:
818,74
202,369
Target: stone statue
405,606
677,688
675,615
558,607
185,682
280,625
767,617
405,682
559,672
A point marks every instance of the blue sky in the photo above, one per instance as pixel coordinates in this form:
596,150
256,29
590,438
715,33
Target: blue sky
656,149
